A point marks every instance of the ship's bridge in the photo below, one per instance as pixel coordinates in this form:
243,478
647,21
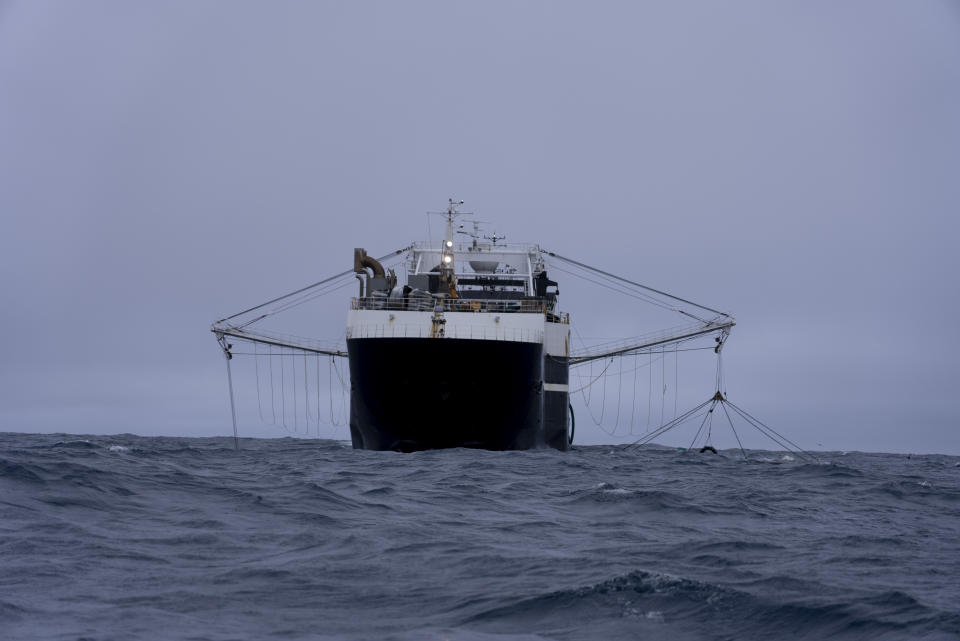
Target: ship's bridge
480,289
485,271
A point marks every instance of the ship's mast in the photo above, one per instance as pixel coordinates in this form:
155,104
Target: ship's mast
448,276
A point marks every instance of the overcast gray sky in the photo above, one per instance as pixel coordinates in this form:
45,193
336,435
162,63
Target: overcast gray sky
164,164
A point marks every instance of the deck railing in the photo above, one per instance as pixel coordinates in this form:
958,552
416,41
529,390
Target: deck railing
424,304
472,332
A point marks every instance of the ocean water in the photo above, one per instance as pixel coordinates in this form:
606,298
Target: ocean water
126,537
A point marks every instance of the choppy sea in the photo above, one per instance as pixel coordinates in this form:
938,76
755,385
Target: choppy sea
126,537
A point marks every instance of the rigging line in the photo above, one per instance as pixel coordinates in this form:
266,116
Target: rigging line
603,404
747,415
676,380
723,378
318,393
657,291
625,292
588,385
649,386
589,396
586,402
330,389
580,380
763,430
286,296
629,349
283,389
308,287
643,344
589,388
737,436
329,289
255,338
298,301
305,299
758,421
293,368
256,369
294,347
600,425
768,434
345,410
342,411
672,335
704,422
586,398
620,290
646,438
663,380
233,406
719,370
343,403
670,426
633,404
641,351
343,384
267,339
619,395
719,366
339,411
273,392
306,397
709,440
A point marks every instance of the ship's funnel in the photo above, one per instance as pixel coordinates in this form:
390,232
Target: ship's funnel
379,282
361,261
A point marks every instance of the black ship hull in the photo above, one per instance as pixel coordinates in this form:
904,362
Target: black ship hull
410,394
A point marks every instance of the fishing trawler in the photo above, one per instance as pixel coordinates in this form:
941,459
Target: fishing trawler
472,350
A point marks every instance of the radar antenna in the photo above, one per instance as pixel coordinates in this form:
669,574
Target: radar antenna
495,238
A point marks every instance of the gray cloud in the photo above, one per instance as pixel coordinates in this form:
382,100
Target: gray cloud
164,165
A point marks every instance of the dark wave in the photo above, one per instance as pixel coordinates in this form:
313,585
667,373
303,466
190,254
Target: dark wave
125,537
21,472
652,601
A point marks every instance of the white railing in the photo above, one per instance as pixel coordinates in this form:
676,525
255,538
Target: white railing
459,331
523,306
465,249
